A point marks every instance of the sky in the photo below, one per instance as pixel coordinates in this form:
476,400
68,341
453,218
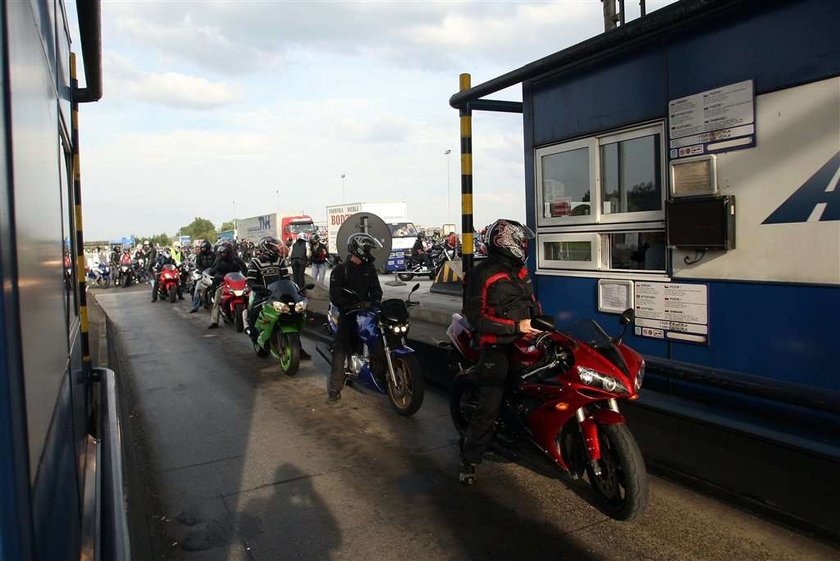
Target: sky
234,109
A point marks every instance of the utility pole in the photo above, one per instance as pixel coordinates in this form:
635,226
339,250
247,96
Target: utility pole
610,17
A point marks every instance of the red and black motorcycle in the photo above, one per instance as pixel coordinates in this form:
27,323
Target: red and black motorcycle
168,279
561,406
234,300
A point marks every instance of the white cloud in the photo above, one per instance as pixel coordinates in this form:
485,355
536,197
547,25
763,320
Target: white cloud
123,79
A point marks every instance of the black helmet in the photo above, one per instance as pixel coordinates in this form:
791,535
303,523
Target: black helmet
270,246
361,245
509,238
225,249
421,235
205,246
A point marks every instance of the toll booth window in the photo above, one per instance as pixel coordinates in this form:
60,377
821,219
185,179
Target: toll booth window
567,184
631,175
634,251
599,205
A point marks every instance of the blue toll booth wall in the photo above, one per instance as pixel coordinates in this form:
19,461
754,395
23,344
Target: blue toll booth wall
687,165
740,101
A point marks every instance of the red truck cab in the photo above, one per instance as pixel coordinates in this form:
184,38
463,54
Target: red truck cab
291,226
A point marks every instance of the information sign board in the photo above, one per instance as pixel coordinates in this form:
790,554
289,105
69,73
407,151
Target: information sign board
717,120
672,311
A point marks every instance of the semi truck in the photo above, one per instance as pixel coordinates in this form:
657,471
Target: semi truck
283,226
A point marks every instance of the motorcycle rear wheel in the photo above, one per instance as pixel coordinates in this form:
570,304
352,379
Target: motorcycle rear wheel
621,490
407,397
463,399
287,346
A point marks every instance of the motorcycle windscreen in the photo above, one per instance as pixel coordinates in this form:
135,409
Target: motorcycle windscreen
394,310
594,335
235,277
285,290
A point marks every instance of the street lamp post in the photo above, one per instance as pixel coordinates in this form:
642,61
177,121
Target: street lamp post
343,187
448,189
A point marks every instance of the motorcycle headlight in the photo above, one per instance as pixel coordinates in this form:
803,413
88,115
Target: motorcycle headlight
399,328
281,307
238,292
300,307
600,381
640,376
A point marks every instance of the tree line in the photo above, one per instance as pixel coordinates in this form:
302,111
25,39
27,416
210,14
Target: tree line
198,229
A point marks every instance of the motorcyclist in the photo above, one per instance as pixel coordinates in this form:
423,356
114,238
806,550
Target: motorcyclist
226,262
268,267
203,260
164,258
499,304
418,251
358,275
177,255
125,258
297,258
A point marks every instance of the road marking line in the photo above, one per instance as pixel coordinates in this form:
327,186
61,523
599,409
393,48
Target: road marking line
816,214
832,185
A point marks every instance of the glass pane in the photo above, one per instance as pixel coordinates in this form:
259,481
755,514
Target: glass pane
631,176
634,250
567,251
565,184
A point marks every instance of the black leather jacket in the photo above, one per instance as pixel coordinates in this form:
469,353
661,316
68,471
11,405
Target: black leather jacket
362,279
497,295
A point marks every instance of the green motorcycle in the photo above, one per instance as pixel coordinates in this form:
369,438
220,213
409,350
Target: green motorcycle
279,324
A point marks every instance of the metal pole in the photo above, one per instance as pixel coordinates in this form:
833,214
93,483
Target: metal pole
609,14
642,7
466,180
343,188
621,11
81,280
448,189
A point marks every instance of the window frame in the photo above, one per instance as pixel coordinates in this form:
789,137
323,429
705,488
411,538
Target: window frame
596,226
594,144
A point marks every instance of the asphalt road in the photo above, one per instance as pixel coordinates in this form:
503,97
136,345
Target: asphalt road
231,460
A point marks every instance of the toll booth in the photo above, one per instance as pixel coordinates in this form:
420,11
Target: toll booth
687,165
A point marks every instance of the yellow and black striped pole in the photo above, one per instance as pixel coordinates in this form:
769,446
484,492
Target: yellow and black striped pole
466,179
80,239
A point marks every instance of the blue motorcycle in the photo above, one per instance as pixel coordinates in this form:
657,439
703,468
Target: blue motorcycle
381,362
99,276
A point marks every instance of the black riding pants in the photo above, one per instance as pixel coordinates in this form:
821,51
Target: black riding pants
345,337
298,269
493,371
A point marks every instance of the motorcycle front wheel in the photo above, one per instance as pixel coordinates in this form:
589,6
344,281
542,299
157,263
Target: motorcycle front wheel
239,317
621,489
287,346
463,400
407,396
173,293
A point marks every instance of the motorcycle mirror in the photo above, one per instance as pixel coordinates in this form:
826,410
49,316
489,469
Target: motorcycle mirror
543,323
628,316
415,288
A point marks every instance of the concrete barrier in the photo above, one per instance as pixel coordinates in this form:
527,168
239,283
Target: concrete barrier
450,279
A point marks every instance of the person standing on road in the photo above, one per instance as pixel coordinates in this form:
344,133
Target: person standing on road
358,275
318,253
499,304
226,262
298,260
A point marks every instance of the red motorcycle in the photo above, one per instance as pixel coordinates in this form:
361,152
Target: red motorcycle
234,300
167,285
560,407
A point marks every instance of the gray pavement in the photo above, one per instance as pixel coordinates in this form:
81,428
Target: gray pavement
239,462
